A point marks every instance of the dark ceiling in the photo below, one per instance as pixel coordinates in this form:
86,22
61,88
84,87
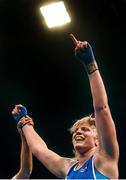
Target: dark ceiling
38,69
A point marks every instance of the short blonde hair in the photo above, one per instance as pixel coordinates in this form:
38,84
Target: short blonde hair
92,123
89,119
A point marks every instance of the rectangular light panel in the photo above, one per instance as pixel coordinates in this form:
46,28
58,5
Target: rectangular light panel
55,14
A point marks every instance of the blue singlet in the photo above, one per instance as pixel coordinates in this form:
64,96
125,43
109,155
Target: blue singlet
87,171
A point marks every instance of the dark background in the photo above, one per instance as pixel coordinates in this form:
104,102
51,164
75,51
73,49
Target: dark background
38,69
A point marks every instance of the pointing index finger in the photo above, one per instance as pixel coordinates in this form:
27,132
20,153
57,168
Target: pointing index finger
73,39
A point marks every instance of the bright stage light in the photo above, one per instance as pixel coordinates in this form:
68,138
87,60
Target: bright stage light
55,14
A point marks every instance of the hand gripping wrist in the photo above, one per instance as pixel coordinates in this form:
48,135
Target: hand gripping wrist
20,114
28,122
25,121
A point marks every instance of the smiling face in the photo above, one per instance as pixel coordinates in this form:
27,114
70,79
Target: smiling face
84,135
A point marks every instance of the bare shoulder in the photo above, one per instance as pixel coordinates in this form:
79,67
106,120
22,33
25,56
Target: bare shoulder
69,162
106,164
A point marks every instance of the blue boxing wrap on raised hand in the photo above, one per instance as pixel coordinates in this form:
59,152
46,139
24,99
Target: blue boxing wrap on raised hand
22,113
85,55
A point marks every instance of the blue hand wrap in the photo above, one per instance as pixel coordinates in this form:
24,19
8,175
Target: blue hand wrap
22,113
85,55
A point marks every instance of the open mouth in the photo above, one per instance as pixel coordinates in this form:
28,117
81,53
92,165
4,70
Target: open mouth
79,138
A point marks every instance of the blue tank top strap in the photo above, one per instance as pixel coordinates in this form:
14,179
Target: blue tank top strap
86,171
